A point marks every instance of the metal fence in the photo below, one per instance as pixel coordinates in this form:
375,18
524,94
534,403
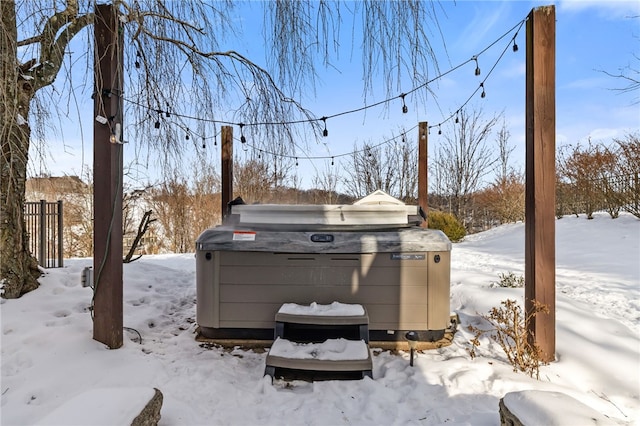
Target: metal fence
44,225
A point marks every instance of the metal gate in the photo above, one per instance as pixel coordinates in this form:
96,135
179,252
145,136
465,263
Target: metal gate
44,225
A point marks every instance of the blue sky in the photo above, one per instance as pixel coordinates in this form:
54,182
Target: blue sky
590,37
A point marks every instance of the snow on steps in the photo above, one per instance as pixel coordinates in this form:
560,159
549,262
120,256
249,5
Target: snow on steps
335,354
109,407
330,355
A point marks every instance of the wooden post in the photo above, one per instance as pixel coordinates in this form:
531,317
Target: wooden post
423,187
227,169
540,254
42,245
59,235
107,179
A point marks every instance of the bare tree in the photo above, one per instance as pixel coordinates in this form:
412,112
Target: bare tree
504,152
178,64
325,182
504,198
628,171
206,197
629,74
462,160
588,170
391,167
254,181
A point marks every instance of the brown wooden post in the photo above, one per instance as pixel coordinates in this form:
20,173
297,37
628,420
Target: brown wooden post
227,169
107,179
59,235
423,187
540,256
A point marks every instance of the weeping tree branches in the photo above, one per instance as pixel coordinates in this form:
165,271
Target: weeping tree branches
178,63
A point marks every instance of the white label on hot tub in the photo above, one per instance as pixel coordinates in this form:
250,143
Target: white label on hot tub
244,236
407,256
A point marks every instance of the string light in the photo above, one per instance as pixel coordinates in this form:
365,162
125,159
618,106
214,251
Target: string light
242,138
137,62
186,136
325,118
204,143
166,113
425,84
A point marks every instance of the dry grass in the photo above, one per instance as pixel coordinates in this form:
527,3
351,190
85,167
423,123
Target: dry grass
508,329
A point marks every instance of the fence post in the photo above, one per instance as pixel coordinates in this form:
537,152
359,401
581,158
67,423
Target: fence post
60,236
636,188
43,234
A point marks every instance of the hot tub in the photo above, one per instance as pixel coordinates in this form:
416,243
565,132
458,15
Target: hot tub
371,253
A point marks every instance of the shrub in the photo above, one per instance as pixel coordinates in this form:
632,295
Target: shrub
509,280
508,329
447,223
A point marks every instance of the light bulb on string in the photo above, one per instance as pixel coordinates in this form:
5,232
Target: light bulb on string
404,105
296,161
483,94
242,138
167,113
332,161
325,132
204,143
477,72
137,62
157,123
186,136
259,154
515,46
457,119
439,130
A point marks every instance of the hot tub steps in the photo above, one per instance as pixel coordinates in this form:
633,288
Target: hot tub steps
320,341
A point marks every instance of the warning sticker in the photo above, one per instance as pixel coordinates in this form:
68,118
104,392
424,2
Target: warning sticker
407,256
244,236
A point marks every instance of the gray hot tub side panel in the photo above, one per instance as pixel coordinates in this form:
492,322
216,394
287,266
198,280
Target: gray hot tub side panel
246,289
388,241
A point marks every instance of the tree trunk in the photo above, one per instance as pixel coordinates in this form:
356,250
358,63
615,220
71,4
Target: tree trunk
18,268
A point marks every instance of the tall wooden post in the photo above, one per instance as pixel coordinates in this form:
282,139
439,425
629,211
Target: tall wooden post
540,256
107,178
227,169
423,181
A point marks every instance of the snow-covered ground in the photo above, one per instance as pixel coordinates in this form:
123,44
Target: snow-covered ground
49,357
